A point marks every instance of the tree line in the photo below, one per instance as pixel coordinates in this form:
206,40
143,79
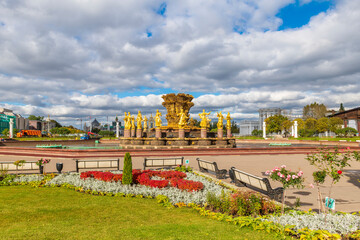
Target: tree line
314,122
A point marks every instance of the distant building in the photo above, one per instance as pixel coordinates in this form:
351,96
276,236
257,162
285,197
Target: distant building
95,124
5,116
34,124
264,113
247,126
350,117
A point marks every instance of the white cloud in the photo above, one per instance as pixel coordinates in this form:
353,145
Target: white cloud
74,58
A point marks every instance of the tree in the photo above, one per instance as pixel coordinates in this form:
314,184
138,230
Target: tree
95,130
287,126
309,128
275,124
56,123
33,117
301,124
127,172
322,125
314,110
107,133
6,132
310,124
257,133
61,130
234,127
341,109
346,132
335,123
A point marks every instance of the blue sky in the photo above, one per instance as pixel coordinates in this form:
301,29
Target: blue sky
71,59
298,14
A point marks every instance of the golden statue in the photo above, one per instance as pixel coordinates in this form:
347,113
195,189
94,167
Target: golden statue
208,120
204,119
158,119
174,103
132,121
139,120
145,124
127,121
192,122
228,121
220,120
182,119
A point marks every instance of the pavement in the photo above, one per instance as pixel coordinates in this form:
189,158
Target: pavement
346,192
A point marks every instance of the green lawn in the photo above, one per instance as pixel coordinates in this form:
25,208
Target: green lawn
44,138
58,213
350,139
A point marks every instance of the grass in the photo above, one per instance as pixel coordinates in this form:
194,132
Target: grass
58,213
349,139
250,137
44,138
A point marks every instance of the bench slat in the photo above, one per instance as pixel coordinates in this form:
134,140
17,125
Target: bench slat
212,167
163,162
258,183
94,164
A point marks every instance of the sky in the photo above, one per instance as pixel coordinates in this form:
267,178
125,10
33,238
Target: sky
74,59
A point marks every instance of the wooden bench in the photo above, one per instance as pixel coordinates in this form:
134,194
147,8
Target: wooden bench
256,183
26,167
113,164
163,162
211,167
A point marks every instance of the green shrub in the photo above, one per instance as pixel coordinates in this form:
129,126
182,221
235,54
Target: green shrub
213,201
127,173
106,133
257,133
346,132
241,204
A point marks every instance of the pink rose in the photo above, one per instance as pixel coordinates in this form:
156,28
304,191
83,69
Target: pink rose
283,166
294,176
267,172
279,174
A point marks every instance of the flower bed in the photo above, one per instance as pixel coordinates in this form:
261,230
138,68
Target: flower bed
144,178
333,223
189,189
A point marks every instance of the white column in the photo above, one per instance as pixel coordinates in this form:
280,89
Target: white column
296,129
11,130
292,131
264,129
117,129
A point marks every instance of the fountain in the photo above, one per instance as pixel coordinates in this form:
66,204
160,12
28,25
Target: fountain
179,132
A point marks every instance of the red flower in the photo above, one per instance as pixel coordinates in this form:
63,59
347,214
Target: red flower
144,178
339,172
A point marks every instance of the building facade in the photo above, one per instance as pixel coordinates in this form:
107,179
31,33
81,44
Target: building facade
248,126
264,113
351,118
